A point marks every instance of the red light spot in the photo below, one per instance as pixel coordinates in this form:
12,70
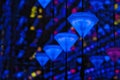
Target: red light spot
56,2
56,19
117,0
116,71
54,78
72,71
55,32
89,78
74,10
72,30
117,16
73,48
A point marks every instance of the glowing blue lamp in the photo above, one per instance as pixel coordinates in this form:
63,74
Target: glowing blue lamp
66,40
82,22
19,74
42,58
44,3
79,60
107,58
53,51
97,4
97,60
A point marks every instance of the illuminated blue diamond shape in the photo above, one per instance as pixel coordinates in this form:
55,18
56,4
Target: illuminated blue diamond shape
44,3
66,40
97,60
82,22
53,51
42,58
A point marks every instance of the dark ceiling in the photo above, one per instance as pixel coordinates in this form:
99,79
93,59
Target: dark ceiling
26,27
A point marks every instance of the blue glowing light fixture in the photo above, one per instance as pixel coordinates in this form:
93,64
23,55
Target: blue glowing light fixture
44,3
53,51
19,74
82,22
97,4
97,60
66,40
107,58
42,58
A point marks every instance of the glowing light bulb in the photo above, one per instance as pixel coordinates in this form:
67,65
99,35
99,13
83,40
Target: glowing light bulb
115,23
33,56
74,10
32,28
115,6
116,71
39,49
38,72
40,10
94,38
34,8
84,44
32,15
33,12
33,74
39,16
72,71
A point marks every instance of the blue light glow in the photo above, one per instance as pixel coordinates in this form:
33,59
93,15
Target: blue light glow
97,60
79,60
82,22
66,40
53,51
44,3
107,58
97,4
19,74
42,58
20,54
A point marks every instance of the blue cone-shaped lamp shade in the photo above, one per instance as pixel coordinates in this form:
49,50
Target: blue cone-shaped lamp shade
97,60
44,3
82,22
53,51
66,40
42,58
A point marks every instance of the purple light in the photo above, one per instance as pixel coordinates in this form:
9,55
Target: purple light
88,48
72,71
114,53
